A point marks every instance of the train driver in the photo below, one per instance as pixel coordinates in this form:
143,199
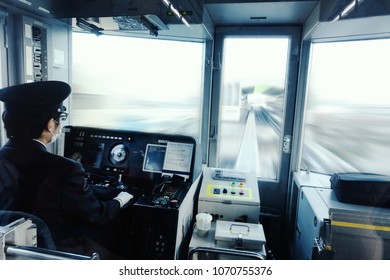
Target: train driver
52,187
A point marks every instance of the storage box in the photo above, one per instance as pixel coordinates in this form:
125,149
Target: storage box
235,235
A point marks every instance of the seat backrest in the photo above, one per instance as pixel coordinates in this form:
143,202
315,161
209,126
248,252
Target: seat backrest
44,237
9,185
9,194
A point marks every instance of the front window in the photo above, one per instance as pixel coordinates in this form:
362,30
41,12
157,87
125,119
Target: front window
137,84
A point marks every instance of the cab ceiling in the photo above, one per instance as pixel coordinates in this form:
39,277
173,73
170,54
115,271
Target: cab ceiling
259,12
101,16
222,12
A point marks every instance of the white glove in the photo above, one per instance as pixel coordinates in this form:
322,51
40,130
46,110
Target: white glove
123,198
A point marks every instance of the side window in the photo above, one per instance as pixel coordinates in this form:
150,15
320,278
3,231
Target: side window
348,108
137,84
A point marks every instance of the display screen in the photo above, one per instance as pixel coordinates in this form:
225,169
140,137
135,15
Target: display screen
154,158
178,158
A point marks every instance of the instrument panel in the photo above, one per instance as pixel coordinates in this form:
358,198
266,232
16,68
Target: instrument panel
118,158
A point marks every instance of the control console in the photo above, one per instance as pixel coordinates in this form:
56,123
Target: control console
159,170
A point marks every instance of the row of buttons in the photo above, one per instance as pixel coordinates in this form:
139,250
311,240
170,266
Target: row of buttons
241,192
106,137
241,184
225,191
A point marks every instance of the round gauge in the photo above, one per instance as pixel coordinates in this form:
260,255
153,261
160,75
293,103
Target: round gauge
118,154
76,156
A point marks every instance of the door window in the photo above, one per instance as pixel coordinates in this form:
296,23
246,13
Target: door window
253,90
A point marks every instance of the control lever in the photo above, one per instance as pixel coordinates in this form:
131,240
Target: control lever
120,185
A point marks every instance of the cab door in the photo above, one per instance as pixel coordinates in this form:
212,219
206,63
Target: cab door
252,109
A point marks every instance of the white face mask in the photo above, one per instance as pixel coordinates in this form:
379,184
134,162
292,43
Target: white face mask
56,135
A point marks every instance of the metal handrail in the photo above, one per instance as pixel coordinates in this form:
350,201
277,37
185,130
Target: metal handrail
231,252
36,253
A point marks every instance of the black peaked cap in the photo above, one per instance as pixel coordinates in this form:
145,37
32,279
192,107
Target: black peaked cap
45,95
